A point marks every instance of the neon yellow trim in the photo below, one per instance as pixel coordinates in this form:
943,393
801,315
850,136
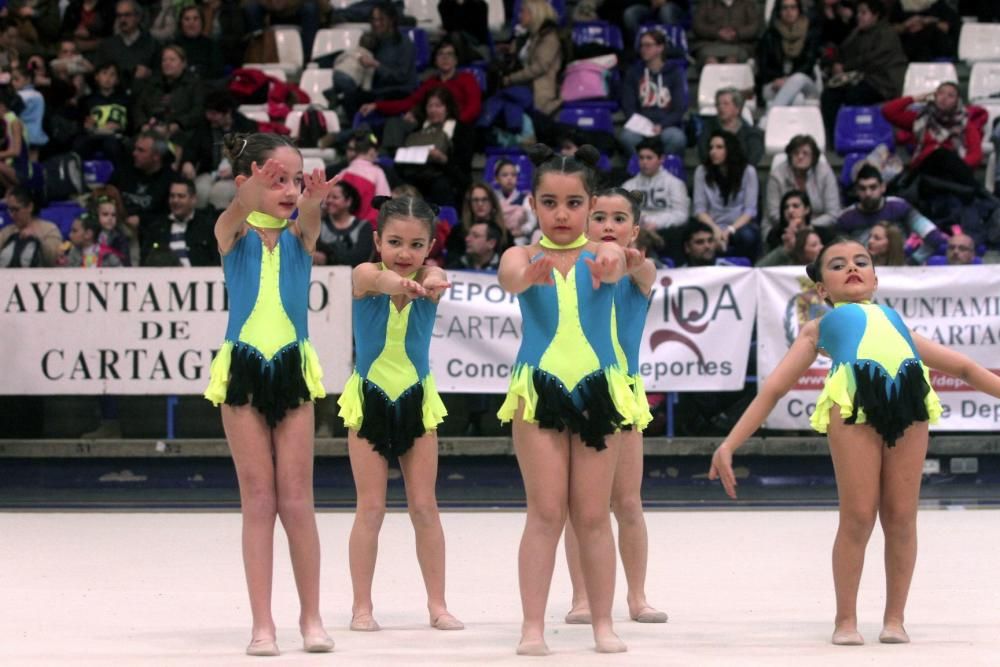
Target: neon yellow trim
268,329
621,388
392,370
643,416
218,375
433,408
312,371
522,386
569,356
546,242
619,352
352,409
882,341
265,221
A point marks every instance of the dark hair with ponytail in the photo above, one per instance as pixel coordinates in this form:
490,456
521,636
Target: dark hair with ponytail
583,162
405,207
633,197
242,150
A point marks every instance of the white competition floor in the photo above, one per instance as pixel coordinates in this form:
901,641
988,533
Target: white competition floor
741,588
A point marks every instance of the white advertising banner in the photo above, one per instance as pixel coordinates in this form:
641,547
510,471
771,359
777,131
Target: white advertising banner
956,306
141,331
697,333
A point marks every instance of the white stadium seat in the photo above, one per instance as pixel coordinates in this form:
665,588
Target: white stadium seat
257,112
314,81
497,18
783,123
426,13
288,40
979,41
714,77
924,78
331,40
984,82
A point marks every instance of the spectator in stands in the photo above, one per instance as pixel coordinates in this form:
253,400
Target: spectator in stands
836,22
224,24
88,22
725,30
666,206
171,100
204,54
725,196
655,89
669,12
928,29
462,85
113,238
33,111
885,244
796,212
145,183
873,207
804,169
961,249
729,107
466,23
985,11
445,175
517,217
29,241
105,117
947,135
700,245
83,252
480,205
15,163
186,234
394,65
482,243
344,239
69,63
786,57
132,47
869,68
203,161
37,20
258,14
364,173
807,247
61,94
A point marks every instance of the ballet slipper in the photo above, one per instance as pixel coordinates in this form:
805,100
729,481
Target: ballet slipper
364,623
320,643
445,621
533,647
847,638
578,616
263,648
894,635
650,615
609,644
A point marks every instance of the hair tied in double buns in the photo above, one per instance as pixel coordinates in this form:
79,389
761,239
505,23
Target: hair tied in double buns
379,200
539,154
588,155
638,196
434,207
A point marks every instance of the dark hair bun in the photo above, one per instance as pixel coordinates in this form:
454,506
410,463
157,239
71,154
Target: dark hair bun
637,196
378,201
539,154
233,144
812,270
588,155
434,207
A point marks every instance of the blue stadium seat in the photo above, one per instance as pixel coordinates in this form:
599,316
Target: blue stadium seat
449,215
850,160
97,172
598,32
4,215
594,119
422,46
861,129
524,169
738,261
478,70
385,161
672,163
62,213
675,33
942,260
373,120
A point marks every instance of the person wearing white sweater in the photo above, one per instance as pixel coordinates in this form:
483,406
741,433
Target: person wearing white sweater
665,197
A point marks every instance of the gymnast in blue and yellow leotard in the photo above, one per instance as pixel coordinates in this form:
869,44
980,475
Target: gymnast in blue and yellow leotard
266,359
390,399
628,320
877,376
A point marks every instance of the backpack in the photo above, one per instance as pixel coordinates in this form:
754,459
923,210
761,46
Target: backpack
249,86
585,80
63,177
312,128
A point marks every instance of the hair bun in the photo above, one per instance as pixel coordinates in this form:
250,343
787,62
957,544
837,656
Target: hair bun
588,155
637,196
539,154
378,201
811,271
434,207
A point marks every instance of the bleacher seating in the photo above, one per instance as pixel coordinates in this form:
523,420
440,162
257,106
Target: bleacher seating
520,160
288,40
449,215
590,118
717,76
783,123
497,17
294,121
861,129
979,41
311,163
942,260
314,81
994,113
598,32
421,44
272,69
846,179
332,40
478,70
924,78
425,12
984,82
674,164
257,112
97,172
62,213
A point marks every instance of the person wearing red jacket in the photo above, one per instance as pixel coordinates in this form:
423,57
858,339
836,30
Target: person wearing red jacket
462,85
943,124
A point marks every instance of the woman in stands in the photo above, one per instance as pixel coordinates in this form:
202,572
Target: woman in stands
875,408
725,196
885,245
786,57
804,169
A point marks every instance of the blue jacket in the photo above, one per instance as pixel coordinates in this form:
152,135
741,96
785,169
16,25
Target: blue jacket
637,98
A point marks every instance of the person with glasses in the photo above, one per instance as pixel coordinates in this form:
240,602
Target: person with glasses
725,30
29,241
786,57
132,47
480,205
961,249
655,89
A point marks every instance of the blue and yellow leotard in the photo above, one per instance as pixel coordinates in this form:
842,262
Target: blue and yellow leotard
628,320
267,359
566,372
877,376
391,399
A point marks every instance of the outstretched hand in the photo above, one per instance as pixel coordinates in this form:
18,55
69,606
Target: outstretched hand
722,469
315,187
411,288
601,268
633,259
435,285
261,180
539,272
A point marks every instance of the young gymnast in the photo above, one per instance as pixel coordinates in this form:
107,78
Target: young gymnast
390,404
615,219
568,396
266,374
875,408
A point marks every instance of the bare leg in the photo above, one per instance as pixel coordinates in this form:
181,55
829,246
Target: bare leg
293,446
250,443
633,542
580,608
902,469
857,459
543,457
590,480
371,477
419,466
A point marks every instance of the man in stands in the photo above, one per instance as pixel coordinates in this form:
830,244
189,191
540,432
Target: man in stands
186,236
961,249
481,245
